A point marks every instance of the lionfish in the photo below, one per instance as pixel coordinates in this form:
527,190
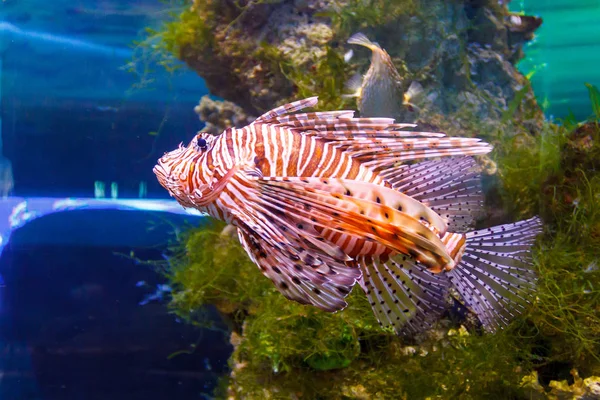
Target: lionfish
323,200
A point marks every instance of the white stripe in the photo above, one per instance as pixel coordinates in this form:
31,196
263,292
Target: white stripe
288,141
273,143
253,140
340,163
349,163
235,157
300,153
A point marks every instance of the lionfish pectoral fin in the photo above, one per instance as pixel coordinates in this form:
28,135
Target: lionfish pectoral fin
494,275
375,198
299,275
402,293
331,204
451,187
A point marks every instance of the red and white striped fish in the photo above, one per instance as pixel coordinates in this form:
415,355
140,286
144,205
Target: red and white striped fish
323,200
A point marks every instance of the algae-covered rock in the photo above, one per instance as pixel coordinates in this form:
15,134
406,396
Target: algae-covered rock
221,115
580,389
258,54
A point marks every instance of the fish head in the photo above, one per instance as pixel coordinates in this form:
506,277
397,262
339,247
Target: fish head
179,171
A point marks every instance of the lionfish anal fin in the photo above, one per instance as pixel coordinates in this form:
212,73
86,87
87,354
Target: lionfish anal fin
402,293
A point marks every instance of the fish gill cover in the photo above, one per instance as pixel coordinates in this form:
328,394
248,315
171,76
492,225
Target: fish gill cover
286,350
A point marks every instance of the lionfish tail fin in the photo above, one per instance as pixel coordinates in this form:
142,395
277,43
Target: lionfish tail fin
494,272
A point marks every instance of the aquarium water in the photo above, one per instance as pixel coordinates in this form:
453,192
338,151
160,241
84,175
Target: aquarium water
94,92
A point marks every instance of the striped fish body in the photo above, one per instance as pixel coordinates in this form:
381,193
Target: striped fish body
324,200
256,150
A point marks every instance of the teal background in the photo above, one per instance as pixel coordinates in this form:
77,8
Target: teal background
564,54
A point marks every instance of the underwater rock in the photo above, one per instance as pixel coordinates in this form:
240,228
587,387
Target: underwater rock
220,115
233,34
463,52
580,389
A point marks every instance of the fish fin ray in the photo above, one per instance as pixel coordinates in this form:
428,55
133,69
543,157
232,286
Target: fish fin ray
334,206
402,293
362,40
413,94
497,285
385,153
353,85
287,109
306,119
298,280
451,187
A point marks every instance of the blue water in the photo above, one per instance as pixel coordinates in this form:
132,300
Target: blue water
79,319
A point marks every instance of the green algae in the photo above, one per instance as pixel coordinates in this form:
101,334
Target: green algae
349,16
325,77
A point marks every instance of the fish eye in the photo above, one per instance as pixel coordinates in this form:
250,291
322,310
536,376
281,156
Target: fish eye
202,144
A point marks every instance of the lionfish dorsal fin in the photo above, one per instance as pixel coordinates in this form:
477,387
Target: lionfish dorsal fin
288,109
450,186
377,142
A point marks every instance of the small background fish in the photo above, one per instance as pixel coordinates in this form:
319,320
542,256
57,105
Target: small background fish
382,92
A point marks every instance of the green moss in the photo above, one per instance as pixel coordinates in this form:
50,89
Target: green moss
288,349
558,173
351,16
324,77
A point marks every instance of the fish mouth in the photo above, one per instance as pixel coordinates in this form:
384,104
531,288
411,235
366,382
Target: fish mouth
161,174
159,170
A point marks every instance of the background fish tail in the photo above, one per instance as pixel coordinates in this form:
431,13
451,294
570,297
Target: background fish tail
495,275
